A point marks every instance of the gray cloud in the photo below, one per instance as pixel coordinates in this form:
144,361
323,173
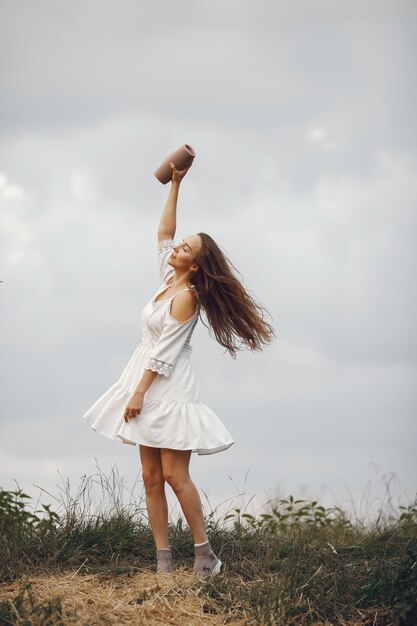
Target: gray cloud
305,174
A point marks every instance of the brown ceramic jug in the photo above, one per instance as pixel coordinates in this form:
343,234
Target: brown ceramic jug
181,158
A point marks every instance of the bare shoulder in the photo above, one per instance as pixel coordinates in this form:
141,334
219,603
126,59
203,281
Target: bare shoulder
183,306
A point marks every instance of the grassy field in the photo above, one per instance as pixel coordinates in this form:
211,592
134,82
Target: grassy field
299,563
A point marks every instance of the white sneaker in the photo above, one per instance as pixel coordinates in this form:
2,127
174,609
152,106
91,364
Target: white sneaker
206,562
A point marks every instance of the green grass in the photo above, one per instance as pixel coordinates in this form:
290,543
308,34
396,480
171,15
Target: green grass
300,563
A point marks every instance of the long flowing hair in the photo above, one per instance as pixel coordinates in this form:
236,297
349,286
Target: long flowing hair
231,312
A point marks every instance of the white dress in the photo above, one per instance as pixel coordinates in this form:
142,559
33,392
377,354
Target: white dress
172,415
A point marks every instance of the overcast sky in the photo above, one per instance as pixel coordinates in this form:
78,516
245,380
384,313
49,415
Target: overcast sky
302,115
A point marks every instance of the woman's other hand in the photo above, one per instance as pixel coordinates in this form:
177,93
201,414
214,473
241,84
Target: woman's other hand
134,406
178,175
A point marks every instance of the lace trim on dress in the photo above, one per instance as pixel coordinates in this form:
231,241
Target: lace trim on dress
165,244
161,367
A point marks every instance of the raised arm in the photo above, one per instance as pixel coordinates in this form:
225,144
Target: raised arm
168,222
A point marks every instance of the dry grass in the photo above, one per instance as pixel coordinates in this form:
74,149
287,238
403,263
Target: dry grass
142,598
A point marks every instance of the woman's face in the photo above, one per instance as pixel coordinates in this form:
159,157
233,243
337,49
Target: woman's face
185,252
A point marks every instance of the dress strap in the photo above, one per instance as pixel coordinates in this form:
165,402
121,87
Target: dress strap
175,294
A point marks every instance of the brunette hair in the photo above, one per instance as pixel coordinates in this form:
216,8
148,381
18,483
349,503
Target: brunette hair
231,312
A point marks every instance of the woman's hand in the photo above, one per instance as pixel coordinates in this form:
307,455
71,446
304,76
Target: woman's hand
178,175
134,406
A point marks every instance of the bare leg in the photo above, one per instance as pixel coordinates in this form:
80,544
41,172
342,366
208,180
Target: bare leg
156,501
175,465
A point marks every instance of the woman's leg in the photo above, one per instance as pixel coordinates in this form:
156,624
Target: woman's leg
175,465
156,501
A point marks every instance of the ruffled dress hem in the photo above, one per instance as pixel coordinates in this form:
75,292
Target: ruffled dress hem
195,426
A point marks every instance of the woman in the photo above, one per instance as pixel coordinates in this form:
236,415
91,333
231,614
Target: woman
156,404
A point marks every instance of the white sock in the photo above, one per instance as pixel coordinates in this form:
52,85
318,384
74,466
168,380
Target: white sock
201,544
